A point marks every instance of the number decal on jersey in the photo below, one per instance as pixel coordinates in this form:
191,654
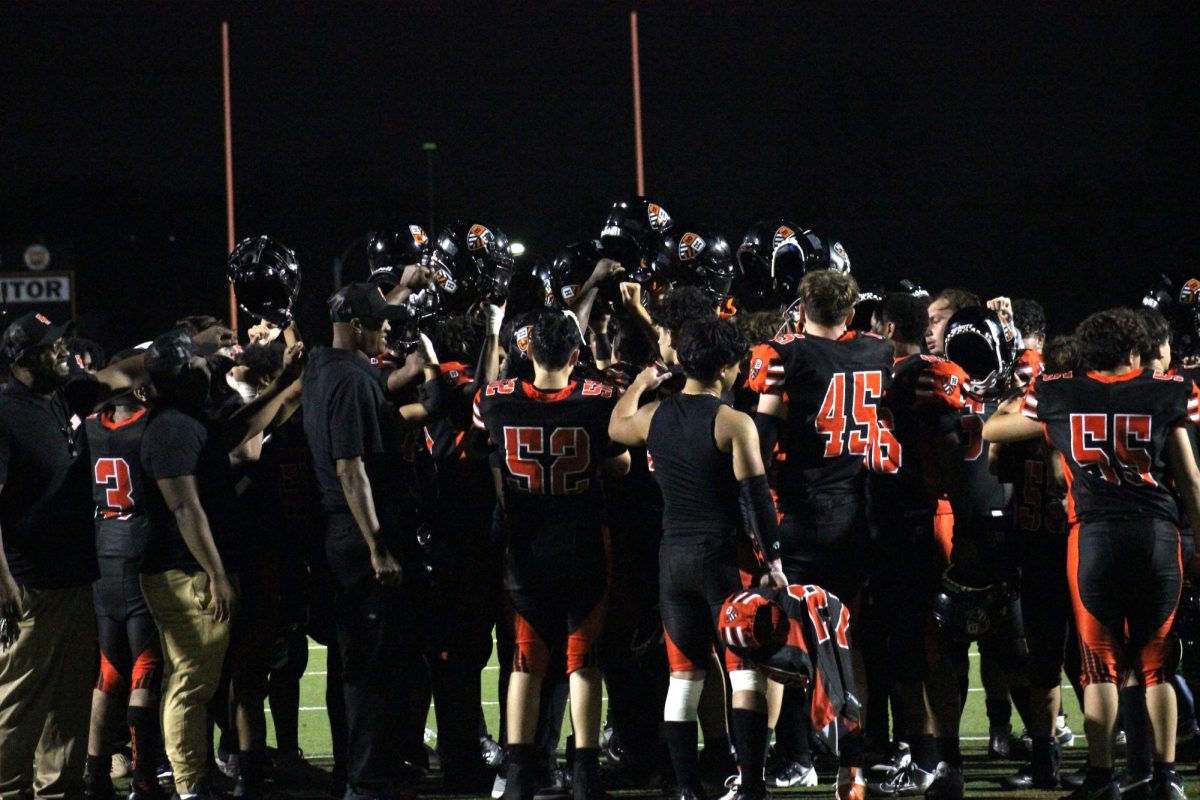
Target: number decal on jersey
502,387
818,613
865,436
570,448
113,473
1112,450
1029,512
596,389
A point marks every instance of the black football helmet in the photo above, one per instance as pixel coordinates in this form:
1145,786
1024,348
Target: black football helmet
970,612
570,270
632,235
265,277
471,262
390,251
703,258
983,346
773,257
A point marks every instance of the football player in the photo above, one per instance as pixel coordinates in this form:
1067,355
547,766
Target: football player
1120,431
706,460
130,655
833,379
551,439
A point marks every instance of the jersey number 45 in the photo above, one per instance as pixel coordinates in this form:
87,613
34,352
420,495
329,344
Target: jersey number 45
850,422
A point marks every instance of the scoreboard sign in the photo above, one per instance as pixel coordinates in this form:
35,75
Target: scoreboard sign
49,292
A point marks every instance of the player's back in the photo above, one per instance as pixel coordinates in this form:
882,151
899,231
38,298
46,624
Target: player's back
118,484
1112,433
833,389
551,446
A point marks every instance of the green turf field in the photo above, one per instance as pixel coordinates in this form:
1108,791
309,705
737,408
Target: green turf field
983,775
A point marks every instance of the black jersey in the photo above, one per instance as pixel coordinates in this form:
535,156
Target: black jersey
833,389
550,446
118,485
1037,495
1112,434
445,437
921,405
700,492
987,494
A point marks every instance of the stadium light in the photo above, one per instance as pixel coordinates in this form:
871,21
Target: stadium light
517,248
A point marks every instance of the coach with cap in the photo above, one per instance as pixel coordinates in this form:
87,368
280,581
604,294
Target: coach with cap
356,437
48,559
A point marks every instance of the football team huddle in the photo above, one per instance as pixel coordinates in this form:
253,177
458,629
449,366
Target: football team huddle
732,491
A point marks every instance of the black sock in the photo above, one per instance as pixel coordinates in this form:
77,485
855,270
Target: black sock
719,745
1020,701
999,712
1164,771
1098,776
682,741
924,749
520,783
1043,756
145,741
950,753
250,765
749,731
97,768
587,772
1139,743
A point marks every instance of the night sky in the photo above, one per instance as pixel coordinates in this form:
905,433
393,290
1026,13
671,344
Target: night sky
1048,151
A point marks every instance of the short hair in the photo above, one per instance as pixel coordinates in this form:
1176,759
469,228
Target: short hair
554,338
910,315
958,299
633,343
680,306
759,326
1029,316
708,346
262,360
1157,329
827,296
460,337
198,323
1062,354
1106,338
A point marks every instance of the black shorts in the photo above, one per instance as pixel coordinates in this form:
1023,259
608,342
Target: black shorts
1125,577
823,542
697,572
557,584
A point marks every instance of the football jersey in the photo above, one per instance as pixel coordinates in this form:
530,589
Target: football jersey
118,484
445,437
833,389
1037,497
1028,366
1112,433
550,446
921,405
987,494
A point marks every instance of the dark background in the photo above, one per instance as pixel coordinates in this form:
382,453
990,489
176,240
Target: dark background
1045,151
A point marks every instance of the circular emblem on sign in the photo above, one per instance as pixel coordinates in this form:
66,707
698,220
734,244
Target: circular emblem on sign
37,257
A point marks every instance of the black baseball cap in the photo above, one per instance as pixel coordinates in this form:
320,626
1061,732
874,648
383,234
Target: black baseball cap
364,301
29,332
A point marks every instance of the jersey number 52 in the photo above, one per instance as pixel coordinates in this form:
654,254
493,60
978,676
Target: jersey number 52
569,447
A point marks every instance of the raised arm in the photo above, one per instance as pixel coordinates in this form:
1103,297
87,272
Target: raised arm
630,423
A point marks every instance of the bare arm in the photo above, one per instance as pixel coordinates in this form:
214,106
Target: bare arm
120,378
630,424
772,405
183,499
10,593
1187,477
488,368
1010,427
356,486
616,466
254,417
631,300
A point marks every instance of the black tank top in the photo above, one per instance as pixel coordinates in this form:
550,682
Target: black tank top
700,492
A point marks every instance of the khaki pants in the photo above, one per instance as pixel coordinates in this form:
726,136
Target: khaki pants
46,682
194,645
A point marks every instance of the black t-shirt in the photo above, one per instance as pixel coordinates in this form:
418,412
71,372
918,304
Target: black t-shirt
177,444
1112,433
346,415
833,388
46,506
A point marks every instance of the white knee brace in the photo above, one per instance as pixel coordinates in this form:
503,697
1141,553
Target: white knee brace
683,698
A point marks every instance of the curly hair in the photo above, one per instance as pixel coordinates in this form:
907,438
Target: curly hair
910,315
827,296
1106,338
759,326
1062,354
708,346
680,306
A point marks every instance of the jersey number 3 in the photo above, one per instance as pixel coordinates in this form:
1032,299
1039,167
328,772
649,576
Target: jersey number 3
569,447
1110,445
849,421
113,473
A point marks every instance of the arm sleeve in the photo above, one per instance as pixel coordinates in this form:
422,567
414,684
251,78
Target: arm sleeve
435,397
758,515
172,445
768,435
476,413
766,370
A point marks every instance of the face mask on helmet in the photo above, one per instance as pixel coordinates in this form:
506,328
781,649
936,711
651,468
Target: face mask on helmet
472,263
265,277
632,234
571,270
978,342
390,251
971,612
772,258
703,260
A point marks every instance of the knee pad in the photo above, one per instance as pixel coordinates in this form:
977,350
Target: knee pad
683,700
748,680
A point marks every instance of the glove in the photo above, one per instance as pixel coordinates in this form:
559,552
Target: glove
493,318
